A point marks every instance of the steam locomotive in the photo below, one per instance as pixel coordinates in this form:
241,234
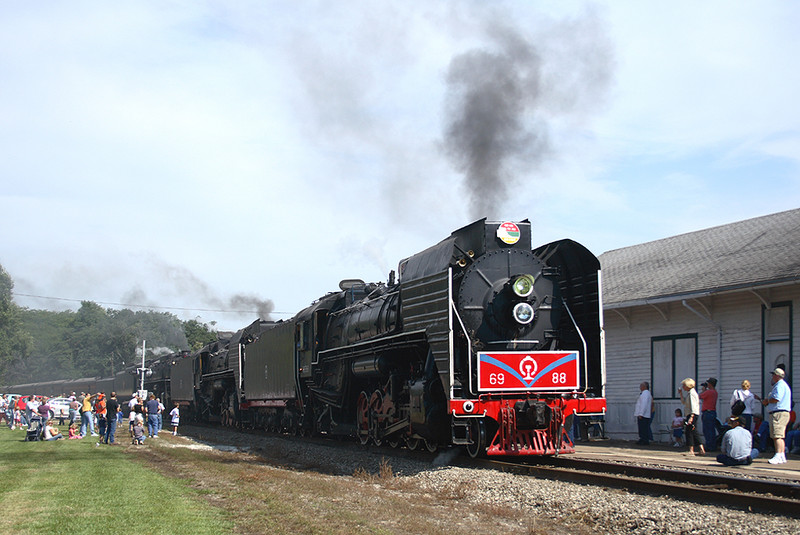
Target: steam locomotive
481,342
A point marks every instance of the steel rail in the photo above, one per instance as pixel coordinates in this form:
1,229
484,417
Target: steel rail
759,486
703,488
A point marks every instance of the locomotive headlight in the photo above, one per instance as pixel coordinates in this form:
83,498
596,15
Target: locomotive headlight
523,313
523,285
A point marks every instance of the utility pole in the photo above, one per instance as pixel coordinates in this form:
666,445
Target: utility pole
142,370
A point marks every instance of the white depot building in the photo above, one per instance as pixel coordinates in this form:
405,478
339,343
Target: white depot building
720,302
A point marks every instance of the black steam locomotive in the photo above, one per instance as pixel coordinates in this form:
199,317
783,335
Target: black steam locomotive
481,342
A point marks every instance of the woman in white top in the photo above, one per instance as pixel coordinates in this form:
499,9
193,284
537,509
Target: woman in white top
51,432
743,394
691,401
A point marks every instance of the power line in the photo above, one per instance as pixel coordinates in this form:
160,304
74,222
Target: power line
149,306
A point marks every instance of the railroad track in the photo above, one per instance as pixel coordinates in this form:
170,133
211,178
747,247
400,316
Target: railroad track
747,494
772,497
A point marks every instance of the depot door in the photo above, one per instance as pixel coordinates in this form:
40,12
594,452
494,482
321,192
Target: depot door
777,342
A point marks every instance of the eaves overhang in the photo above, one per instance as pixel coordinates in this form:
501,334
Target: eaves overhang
698,294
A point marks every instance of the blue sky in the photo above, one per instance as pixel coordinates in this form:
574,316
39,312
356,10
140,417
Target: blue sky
209,157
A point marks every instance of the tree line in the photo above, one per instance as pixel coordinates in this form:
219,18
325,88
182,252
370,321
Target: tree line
43,345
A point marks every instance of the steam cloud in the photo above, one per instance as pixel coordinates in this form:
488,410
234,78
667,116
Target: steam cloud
181,283
501,99
264,307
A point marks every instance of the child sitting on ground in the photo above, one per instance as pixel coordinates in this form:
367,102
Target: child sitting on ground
138,430
677,429
73,432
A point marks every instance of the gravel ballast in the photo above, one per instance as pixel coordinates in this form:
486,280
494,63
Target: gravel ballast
600,509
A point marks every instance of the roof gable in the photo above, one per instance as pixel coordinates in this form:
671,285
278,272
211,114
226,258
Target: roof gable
755,252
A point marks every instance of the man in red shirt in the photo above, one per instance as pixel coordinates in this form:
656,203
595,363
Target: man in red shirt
708,399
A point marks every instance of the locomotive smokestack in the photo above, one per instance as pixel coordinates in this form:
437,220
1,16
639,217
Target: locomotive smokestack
501,99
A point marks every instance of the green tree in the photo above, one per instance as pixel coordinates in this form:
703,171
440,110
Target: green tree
50,357
198,334
15,342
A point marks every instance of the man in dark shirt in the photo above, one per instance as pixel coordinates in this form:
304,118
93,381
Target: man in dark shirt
112,407
152,416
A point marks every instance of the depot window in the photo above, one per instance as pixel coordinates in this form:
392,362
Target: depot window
673,359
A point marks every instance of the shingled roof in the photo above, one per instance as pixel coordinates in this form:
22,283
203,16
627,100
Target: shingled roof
754,253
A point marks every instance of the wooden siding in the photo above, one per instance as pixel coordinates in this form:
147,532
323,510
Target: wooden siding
628,351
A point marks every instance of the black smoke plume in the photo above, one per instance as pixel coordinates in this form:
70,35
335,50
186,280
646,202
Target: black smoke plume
502,97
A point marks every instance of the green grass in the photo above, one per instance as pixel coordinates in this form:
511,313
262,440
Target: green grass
71,486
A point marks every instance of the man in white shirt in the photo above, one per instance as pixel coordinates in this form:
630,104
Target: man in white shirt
643,412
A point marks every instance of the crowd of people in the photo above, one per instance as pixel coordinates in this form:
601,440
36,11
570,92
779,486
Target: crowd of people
744,435
95,415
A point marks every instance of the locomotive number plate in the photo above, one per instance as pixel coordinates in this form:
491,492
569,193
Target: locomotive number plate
501,371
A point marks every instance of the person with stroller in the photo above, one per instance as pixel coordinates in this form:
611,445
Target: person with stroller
31,408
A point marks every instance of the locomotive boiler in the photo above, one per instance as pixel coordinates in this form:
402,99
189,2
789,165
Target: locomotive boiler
480,342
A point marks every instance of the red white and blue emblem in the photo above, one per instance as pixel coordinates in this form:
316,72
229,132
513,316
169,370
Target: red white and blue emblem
501,371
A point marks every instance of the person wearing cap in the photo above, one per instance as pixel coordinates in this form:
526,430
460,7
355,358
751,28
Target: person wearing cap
737,444
708,398
778,404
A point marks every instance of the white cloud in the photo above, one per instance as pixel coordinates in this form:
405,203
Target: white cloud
260,146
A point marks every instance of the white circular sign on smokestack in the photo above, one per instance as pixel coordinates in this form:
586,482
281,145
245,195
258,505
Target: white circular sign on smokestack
508,232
